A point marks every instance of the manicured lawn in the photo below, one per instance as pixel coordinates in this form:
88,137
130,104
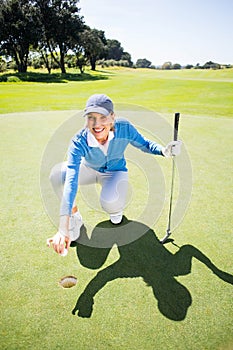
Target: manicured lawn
192,92
150,298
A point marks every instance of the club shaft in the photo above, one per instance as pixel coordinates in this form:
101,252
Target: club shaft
171,197
176,125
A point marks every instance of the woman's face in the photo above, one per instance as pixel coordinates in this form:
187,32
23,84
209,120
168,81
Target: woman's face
100,125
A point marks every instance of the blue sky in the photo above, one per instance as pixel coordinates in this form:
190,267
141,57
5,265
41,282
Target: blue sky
180,31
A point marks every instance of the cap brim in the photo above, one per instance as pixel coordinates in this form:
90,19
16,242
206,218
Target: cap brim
96,109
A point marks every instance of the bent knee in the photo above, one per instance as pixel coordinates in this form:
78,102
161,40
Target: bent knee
57,174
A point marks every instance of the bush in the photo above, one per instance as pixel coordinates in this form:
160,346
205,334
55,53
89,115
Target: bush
109,63
113,63
13,79
37,63
3,65
124,63
3,78
12,65
71,60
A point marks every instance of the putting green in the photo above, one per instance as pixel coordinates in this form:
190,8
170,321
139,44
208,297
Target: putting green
146,296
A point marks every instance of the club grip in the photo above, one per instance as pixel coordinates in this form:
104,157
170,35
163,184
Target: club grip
176,125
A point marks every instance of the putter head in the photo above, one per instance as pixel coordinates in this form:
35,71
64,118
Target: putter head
165,238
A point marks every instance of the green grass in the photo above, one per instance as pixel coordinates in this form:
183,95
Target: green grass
35,310
190,92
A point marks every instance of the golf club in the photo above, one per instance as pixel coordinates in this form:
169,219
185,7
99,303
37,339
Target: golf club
176,124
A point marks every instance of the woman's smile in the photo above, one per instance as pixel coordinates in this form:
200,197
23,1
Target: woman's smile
98,130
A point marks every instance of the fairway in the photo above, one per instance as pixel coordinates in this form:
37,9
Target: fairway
146,296
195,92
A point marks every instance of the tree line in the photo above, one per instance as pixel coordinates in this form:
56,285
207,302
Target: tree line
53,34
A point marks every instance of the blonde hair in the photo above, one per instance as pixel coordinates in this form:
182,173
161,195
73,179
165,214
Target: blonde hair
112,114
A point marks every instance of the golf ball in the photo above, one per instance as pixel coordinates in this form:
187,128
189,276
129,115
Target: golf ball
64,253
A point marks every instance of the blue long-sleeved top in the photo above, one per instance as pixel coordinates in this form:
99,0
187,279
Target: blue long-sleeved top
124,133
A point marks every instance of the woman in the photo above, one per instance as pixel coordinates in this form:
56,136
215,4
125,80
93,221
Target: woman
96,155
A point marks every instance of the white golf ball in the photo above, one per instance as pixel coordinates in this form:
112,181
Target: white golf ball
64,253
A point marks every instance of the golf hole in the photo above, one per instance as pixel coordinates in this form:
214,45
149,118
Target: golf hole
68,281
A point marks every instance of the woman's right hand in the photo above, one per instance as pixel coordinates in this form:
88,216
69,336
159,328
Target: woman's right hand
59,242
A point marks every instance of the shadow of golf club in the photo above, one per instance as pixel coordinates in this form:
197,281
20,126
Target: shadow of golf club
145,257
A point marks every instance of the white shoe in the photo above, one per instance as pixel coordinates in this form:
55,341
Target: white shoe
75,224
116,218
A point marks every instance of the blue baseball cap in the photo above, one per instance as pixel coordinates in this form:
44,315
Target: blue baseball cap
99,103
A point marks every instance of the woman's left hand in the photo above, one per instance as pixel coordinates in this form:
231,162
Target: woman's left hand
173,148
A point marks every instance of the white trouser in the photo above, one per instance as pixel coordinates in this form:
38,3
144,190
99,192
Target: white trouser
114,185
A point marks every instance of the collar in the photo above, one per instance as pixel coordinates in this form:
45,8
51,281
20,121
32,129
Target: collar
92,142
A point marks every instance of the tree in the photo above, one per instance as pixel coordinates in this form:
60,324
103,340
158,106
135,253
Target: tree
176,66
46,56
127,57
167,65
62,27
114,50
19,30
93,45
80,62
210,64
143,63
189,66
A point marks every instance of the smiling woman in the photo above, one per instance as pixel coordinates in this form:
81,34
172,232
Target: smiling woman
96,155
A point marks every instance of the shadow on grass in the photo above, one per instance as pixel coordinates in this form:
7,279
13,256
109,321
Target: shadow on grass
50,78
145,257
